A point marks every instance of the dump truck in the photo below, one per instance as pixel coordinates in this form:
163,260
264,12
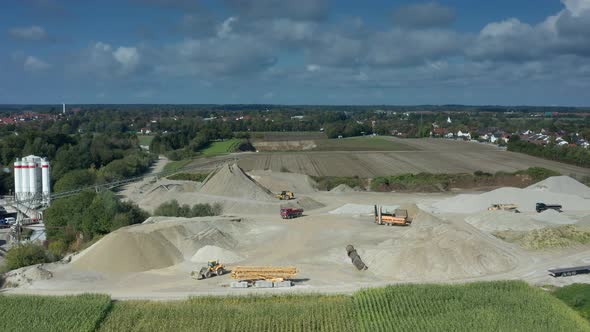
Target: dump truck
286,195
398,218
540,207
213,268
504,207
290,213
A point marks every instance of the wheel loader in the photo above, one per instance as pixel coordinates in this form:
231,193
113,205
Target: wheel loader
213,268
286,195
504,207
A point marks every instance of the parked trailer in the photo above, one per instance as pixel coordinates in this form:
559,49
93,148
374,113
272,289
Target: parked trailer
540,207
569,271
398,218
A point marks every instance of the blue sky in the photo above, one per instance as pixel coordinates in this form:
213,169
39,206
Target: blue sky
296,52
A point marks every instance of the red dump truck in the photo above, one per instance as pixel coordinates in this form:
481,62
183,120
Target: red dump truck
289,213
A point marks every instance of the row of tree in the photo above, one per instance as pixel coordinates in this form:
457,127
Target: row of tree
568,154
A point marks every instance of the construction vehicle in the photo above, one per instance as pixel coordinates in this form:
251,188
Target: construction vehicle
286,195
504,207
399,217
540,207
213,268
290,213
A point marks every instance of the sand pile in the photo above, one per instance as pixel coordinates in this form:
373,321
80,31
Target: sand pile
127,251
342,188
524,198
216,253
497,221
231,181
308,203
436,250
280,181
160,242
359,209
562,185
554,217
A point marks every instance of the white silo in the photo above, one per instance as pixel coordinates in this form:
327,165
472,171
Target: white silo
17,179
24,179
32,179
46,181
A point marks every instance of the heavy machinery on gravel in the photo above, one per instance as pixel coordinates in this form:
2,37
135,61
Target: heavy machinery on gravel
263,276
398,218
504,207
213,268
286,195
290,213
540,207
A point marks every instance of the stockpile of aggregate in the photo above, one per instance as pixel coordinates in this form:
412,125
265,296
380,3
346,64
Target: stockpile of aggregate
208,252
343,188
435,250
562,185
526,200
232,181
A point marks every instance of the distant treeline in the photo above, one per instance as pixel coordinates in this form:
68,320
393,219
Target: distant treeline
574,155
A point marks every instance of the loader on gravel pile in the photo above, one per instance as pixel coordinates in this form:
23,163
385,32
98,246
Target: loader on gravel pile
504,207
213,268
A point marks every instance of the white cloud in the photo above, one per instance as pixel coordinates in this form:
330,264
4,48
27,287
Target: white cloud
33,64
312,68
577,7
225,29
128,57
29,33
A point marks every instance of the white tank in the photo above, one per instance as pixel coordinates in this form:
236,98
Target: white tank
17,179
45,181
24,179
32,179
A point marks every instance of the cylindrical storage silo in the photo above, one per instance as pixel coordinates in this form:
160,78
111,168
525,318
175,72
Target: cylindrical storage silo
45,181
24,179
17,179
32,179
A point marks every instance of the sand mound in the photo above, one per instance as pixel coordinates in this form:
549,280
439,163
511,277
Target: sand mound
435,250
554,217
26,276
279,181
309,203
359,209
126,251
497,221
342,188
231,181
524,198
562,185
213,252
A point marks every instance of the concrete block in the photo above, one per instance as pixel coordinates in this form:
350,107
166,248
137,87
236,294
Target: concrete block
263,284
286,283
239,284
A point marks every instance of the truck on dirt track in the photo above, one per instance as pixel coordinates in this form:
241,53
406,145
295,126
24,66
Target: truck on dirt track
290,213
540,207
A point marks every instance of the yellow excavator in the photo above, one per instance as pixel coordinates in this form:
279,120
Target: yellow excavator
213,268
286,195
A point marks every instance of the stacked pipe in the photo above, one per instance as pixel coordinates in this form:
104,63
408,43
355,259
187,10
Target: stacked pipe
355,258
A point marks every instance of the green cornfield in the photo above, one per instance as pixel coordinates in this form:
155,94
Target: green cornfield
485,306
48,313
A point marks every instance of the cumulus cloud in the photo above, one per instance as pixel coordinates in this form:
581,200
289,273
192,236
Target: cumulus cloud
103,60
34,64
424,15
128,57
33,33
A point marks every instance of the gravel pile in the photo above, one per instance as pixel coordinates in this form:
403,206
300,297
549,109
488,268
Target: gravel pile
224,256
232,181
562,185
